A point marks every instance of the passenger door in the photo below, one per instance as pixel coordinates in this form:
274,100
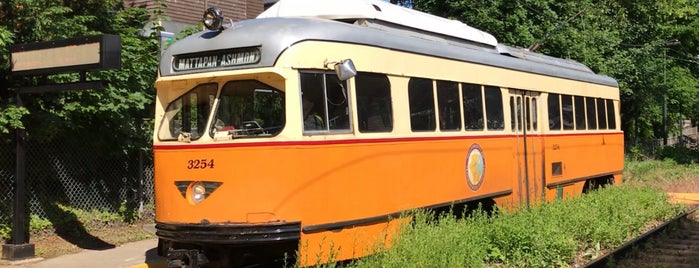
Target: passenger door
528,150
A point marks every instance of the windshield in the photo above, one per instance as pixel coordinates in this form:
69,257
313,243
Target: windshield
185,118
245,109
248,109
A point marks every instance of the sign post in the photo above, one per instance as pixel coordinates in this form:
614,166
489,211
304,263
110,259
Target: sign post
20,247
80,54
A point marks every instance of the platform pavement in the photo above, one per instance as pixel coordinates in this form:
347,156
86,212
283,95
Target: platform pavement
142,254
691,199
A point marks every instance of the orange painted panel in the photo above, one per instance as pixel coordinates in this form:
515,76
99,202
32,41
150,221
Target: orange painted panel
322,183
326,182
585,155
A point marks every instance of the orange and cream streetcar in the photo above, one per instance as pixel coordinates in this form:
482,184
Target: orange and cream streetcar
311,129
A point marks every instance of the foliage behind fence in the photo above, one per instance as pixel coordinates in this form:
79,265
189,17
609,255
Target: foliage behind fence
76,176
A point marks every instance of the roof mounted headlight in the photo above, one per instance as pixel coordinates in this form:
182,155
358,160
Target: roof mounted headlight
213,19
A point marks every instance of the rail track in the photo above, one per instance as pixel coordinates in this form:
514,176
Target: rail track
674,244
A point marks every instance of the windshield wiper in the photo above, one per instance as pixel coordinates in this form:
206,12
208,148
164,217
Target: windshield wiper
184,137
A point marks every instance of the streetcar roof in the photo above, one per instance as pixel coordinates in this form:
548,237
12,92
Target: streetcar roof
377,10
273,35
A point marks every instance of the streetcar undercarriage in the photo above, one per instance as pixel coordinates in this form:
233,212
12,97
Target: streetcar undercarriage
229,245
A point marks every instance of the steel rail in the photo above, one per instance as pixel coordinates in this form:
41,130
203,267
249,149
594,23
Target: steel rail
622,250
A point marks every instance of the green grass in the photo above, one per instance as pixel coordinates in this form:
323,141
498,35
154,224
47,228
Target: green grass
659,171
566,233
67,218
551,235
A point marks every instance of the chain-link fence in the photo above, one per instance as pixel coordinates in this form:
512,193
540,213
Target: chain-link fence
645,148
76,177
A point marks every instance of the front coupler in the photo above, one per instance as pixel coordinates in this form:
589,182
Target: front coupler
185,258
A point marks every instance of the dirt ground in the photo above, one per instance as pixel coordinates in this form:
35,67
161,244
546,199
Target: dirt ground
48,244
686,186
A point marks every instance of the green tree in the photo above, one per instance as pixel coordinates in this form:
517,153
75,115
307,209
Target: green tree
623,39
9,115
111,119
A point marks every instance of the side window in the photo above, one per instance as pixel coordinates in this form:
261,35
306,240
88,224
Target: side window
528,115
528,112
579,112
186,116
567,108
493,108
601,114
324,102
421,98
374,109
472,98
513,116
535,114
336,103
554,106
519,113
449,107
611,114
591,113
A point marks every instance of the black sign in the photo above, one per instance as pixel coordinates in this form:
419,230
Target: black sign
220,59
98,52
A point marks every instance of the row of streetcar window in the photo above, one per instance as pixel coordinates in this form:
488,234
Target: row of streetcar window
250,108
325,106
482,106
443,105
567,112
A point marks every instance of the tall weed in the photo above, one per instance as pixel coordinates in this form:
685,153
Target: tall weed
549,235
663,174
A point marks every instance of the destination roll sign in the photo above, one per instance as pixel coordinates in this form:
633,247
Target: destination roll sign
218,59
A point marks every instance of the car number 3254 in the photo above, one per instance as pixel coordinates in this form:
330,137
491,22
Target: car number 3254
200,163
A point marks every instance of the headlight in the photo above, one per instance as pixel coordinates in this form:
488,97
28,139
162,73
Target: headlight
213,18
197,192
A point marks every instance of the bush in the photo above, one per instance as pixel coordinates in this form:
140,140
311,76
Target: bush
679,154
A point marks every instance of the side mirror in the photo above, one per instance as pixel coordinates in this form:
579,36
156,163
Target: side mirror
345,69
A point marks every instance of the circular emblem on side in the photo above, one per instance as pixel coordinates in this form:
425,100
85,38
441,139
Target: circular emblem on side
475,167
